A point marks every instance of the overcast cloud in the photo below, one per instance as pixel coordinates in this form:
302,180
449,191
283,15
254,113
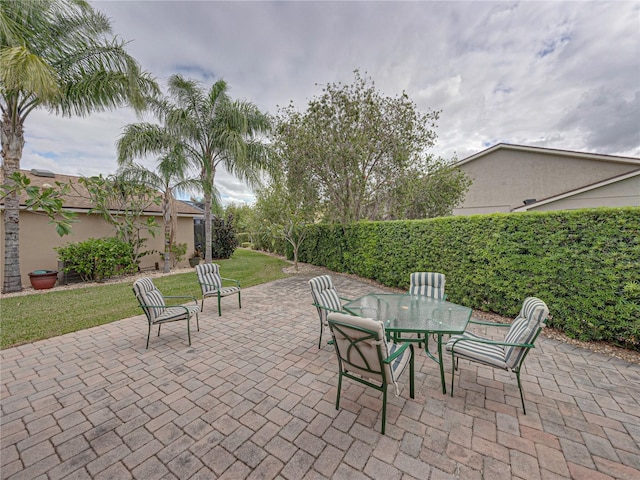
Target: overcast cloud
552,74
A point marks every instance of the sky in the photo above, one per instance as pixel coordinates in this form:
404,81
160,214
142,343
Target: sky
562,75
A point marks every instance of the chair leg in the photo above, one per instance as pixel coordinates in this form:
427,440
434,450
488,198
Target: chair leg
198,322
320,341
219,308
384,407
148,335
188,330
412,371
159,325
453,371
202,304
339,388
521,394
239,302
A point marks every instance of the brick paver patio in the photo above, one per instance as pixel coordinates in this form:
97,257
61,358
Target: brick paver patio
254,398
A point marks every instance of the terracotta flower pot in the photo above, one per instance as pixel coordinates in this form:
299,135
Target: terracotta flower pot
43,279
193,261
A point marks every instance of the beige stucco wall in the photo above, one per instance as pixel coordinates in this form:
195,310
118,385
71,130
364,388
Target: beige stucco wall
503,179
38,239
621,194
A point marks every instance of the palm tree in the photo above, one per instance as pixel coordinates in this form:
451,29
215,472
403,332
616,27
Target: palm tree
168,179
58,55
212,130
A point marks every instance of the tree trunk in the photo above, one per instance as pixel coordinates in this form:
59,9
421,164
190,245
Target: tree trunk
12,144
208,202
207,228
166,211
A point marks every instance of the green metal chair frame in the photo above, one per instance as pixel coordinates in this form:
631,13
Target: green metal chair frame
215,284
159,312
377,370
475,339
432,284
323,290
515,370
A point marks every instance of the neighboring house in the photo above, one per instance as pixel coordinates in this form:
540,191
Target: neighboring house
516,178
38,237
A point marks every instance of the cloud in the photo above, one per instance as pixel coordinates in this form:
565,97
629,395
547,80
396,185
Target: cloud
607,120
558,74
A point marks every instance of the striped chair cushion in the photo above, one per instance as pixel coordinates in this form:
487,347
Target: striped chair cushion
209,277
489,354
177,313
224,291
325,294
147,294
427,283
524,328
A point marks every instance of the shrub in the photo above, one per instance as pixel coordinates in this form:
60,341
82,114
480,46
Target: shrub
583,263
244,237
178,251
223,237
97,259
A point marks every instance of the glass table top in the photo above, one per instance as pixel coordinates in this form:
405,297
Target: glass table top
411,313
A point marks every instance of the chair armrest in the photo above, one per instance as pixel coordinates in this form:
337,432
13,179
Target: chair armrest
345,299
231,280
398,352
181,297
212,287
186,310
491,342
327,308
489,324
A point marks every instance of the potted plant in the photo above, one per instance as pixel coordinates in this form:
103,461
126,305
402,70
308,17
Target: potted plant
43,279
195,258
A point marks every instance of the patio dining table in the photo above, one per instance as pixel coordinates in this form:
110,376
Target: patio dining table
417,314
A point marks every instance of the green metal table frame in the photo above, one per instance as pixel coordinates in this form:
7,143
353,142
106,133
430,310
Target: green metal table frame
403,313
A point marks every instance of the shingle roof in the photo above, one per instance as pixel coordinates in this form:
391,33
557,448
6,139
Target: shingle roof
79,201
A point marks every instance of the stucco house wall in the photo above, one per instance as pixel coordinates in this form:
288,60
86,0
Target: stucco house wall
38,237
504,176
623,193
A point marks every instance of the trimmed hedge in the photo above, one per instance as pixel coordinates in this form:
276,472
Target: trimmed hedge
97,259
585,264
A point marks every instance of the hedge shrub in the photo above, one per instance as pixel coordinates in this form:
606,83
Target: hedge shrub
585,264
97,259
223,238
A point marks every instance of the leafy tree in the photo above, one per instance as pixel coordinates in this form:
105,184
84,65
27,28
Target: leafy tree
169,178
42,200
426,195
284,214
243,219
212,131
58,55
353,146
122,203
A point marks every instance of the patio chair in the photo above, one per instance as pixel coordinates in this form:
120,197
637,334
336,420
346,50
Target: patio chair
211,284
158,312
325,299
508,354
430,284
364,355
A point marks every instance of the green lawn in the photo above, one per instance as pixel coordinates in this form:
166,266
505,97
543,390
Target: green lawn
34,317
